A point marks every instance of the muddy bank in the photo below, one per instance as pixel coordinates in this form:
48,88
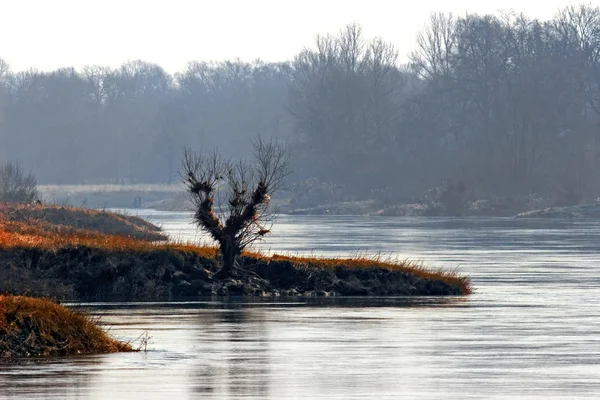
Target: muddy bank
82,273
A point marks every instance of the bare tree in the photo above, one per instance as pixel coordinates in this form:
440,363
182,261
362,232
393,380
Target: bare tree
435,46
240,214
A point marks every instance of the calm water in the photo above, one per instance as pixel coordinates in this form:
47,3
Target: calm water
532,330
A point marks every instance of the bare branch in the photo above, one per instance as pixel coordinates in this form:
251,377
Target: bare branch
272,163
201,174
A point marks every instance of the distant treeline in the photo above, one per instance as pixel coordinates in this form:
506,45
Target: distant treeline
504,104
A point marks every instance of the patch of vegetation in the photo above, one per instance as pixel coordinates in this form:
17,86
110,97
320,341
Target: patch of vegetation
31,327
16,186
78,222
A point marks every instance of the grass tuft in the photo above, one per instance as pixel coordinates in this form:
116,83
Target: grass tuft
32,327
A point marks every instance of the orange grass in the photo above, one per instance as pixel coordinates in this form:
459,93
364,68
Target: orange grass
43,235
31,327
19,235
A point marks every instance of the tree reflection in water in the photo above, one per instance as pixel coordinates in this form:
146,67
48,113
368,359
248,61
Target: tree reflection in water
234,359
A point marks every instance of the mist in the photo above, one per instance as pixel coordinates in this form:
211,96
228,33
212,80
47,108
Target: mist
488,106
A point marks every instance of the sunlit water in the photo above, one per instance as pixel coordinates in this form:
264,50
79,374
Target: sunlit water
532,329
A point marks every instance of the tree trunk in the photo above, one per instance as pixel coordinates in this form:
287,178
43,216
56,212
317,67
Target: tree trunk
228,253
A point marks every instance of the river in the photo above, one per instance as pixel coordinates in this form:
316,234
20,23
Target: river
531,330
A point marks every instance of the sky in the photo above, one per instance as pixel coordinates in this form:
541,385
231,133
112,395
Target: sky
47,34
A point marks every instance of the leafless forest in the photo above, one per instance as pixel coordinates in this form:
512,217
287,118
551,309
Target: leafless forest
491,105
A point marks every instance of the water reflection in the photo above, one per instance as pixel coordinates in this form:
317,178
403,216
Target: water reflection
245,371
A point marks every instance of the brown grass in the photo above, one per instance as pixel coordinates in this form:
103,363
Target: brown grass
58,218
31,327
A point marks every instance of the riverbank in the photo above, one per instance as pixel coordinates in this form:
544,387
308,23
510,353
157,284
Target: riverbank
591,210
31,327
475,208
109,195
173,198
87,273
61,261
472,208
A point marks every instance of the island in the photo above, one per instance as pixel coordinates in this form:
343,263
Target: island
78,254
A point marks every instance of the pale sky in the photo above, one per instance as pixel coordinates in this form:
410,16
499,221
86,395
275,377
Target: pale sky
47,34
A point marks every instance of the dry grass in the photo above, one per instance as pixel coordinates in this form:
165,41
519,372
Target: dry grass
31,327
58,218
19,235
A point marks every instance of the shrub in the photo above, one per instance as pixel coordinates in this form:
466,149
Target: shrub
312,193
16,186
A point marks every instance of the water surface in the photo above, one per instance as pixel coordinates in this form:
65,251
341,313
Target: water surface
531,330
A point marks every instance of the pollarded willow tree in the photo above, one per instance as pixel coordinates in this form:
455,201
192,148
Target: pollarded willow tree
232,199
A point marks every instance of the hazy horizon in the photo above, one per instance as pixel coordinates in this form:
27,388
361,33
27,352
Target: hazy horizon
491,105
65,33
